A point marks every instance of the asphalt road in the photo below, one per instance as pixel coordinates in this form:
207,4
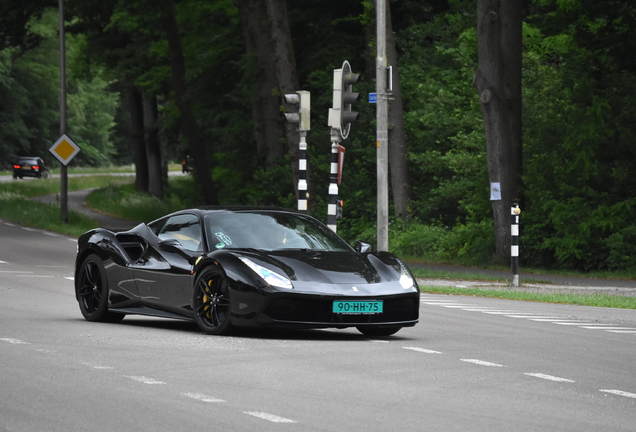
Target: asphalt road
471,364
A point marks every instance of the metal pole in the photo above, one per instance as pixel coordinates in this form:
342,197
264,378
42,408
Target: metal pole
63,122
302,170
514,243
382,141
332,205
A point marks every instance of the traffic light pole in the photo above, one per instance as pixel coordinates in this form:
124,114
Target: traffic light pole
302,100
302,173
382,140
332,204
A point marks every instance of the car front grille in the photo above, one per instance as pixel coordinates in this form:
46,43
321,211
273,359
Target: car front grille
319,311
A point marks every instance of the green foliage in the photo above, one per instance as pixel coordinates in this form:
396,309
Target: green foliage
30,111
469,244
443,119
578,144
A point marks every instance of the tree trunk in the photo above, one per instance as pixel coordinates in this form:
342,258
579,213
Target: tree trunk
138,142
153,148
398,151
190,128
285,66
498,83
268,128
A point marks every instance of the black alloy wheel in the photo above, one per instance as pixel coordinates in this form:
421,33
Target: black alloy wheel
378,331
211,302
92,291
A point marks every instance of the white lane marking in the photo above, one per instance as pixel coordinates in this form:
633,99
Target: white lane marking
379,341
9,224
423,350
49,234
99,367
571,323
454,306
15,271
28,229
549,377
145,380
269,417
14,341
3,262
45,351
620,393
442,303
529,316
482,362
69,278
500,312
35,276
201,397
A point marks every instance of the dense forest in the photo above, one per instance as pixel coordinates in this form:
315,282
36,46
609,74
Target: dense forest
151,81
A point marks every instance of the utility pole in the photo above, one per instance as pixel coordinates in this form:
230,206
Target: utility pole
382,140
63,122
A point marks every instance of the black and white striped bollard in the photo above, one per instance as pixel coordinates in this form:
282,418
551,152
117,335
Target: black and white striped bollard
303,195
514,243
332,203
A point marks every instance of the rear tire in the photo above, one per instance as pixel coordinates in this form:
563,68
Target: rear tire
92,291
378,331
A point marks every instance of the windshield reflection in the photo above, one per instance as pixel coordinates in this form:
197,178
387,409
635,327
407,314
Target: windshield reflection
270,231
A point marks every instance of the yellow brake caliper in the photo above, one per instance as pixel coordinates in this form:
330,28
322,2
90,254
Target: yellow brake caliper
206,299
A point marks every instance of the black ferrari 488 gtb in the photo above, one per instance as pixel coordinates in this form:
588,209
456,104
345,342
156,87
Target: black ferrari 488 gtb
239,266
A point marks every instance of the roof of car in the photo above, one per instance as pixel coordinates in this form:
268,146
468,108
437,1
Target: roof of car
29,157
233,208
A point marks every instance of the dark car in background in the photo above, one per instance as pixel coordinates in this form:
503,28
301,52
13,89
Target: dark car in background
28,166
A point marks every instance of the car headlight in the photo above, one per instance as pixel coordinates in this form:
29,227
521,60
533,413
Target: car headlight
269,276
405,278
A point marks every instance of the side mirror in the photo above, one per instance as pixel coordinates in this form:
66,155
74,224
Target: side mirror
362,247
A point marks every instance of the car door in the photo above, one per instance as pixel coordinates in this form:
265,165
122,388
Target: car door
164,274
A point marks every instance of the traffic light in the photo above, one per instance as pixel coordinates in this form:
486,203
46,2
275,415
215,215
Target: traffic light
341,116
302,100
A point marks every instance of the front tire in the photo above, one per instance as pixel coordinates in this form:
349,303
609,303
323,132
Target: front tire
378,331
92,291
211,302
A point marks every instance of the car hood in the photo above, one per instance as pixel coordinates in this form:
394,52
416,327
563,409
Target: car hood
331,268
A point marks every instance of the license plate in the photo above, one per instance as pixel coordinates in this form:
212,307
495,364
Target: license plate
357,307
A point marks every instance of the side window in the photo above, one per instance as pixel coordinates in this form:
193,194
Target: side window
184,228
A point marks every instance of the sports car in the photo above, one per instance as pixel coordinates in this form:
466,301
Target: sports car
243,267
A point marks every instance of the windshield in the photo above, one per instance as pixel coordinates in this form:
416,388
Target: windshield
270,231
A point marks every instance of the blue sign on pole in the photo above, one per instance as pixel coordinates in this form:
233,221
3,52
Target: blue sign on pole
373,98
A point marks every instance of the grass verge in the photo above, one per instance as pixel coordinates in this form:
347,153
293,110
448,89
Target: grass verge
16,205
423,273
597,300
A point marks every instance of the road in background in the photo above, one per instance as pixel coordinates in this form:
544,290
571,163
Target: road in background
471,364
